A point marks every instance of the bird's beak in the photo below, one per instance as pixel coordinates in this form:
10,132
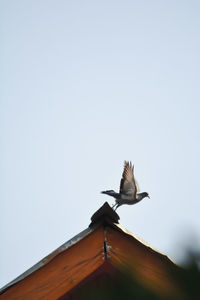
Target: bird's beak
148,196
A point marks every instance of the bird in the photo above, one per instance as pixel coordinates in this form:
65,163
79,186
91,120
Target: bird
129,191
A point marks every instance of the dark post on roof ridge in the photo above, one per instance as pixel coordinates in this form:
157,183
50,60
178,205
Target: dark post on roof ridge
104,214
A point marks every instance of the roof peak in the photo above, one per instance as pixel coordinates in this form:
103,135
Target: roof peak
104,214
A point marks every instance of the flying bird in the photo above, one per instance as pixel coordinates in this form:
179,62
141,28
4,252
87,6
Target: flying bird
129,191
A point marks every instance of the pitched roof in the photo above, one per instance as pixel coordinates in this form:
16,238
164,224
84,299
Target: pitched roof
104,245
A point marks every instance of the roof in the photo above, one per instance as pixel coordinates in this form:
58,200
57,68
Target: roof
105,246
47,258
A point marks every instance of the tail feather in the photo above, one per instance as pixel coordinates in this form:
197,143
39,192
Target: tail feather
110,193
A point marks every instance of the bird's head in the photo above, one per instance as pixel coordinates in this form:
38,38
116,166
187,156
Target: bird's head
146,195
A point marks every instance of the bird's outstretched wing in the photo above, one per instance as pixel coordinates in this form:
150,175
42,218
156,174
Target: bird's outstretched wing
137,186
128,185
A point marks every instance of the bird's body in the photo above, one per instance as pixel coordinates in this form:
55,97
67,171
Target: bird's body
129,189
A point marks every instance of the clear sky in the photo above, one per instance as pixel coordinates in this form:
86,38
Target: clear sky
84,86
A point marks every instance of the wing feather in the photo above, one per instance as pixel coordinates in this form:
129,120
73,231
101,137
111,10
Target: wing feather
137,186
128,185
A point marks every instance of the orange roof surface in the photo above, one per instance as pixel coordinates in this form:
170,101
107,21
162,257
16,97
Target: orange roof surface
100,249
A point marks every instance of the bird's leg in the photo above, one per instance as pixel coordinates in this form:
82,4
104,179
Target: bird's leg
114,205
117,206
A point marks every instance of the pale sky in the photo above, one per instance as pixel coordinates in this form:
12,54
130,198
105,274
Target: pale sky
86,85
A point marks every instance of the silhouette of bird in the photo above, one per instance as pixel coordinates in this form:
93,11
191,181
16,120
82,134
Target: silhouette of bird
129,189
